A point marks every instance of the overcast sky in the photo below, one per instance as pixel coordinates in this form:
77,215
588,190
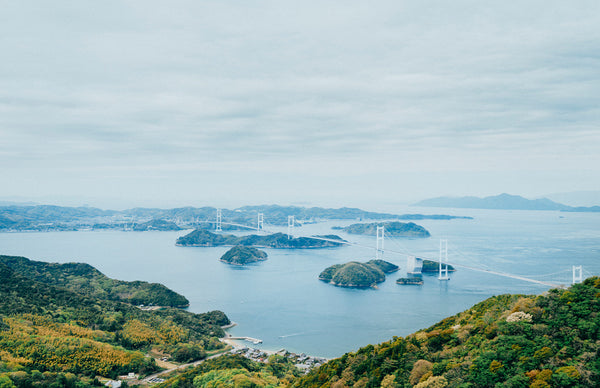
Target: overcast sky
325,102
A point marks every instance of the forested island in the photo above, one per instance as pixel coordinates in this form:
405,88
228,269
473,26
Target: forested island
416,280
51,321
157,225
434,266
205,238
242,255
391,228
358,275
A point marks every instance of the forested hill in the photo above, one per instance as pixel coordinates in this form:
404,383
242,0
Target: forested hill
551,340
72,337
87,280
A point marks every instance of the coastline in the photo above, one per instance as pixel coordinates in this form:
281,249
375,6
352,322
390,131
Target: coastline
238,344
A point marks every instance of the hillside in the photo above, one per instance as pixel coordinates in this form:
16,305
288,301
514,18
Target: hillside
52,336
204,238
391,228
86,280
240,255
71,336
550,340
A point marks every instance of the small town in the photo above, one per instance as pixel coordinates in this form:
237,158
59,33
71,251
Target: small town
301,361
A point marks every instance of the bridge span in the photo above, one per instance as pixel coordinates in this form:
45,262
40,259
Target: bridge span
577,270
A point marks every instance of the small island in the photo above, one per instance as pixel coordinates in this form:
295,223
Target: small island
157,225
416,280
204,238
358,275
434,266
241,255
391,228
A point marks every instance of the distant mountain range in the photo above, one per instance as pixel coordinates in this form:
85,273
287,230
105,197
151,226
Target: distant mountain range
502,202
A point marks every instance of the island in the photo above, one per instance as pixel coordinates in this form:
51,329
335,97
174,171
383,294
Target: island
204,238
430,266
391,228
358,275
416,280
156,224
242,255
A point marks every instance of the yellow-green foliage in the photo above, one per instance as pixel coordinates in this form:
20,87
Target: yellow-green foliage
234,378
556,345
45,326
237,371
138,333
36,342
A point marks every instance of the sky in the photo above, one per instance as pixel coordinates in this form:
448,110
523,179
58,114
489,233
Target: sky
335,103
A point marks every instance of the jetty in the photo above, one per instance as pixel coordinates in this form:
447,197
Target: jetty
249,339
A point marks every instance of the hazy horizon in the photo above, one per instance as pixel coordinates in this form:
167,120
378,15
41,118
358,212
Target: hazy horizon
150,104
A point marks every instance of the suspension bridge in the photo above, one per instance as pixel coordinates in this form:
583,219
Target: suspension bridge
576,273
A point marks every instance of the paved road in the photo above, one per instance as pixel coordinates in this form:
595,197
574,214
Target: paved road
195,363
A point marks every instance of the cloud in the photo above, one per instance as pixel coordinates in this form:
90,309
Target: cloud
335,87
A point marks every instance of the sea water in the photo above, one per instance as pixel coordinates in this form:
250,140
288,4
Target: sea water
281,301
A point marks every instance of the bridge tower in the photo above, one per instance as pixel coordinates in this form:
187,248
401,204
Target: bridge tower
290,227
577,274
218,225
380,234
261,219
443,260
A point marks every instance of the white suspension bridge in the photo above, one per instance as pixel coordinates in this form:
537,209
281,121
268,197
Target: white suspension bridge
576,273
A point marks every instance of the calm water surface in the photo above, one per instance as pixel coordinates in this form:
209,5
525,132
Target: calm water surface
281,301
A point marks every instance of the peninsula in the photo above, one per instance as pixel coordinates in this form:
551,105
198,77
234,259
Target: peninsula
358,275
241,255
84,279
204,238
63,325
392,229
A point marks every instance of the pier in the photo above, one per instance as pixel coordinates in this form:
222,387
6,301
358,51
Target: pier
249,339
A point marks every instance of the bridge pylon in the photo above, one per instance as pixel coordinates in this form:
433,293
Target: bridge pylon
577,274
380,237
218,227
290,232
443,263
261,219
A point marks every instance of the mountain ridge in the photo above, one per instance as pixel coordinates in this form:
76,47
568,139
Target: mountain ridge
502,201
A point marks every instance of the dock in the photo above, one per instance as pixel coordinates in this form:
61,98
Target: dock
249,339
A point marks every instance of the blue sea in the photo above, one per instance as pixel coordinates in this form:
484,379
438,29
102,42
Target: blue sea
282,302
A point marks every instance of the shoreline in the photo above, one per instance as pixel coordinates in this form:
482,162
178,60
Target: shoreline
238,343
